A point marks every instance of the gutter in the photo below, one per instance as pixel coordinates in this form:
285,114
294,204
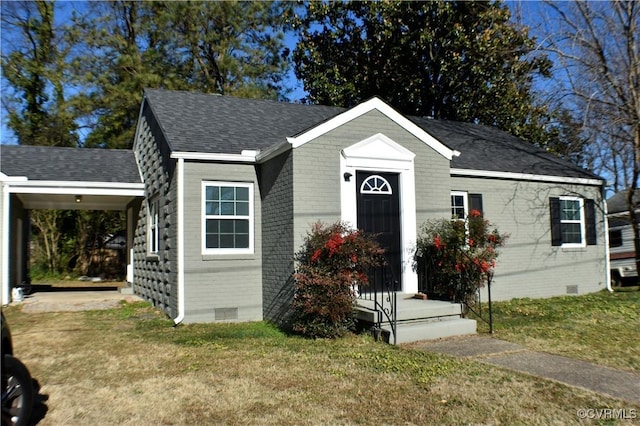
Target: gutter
607,251
180,243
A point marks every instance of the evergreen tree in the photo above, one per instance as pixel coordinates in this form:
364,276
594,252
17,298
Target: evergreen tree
453,60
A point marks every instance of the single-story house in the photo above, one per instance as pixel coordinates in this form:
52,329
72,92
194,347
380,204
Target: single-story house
233,185
621,247
229,187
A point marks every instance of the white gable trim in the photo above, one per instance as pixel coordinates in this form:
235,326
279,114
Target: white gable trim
363,108
246,156
378,149
526,176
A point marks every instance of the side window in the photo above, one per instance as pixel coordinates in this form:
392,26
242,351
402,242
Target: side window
153,231
572,221
459,206
463,203
615,238
227,217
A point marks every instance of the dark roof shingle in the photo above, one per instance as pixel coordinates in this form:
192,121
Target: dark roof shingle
196,122
69,164
199,122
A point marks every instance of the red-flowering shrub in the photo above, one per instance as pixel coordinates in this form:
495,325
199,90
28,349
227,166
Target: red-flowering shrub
332,260
460,255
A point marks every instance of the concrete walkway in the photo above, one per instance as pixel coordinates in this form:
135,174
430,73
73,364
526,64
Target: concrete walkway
74,300
618,384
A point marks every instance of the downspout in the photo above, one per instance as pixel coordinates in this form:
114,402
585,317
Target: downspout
607,258
4,276
180,243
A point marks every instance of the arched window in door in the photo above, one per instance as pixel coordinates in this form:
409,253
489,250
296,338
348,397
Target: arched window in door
375,184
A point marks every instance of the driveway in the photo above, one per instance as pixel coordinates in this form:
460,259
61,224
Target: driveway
74,300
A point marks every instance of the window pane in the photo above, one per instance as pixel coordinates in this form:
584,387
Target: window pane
213,207
227,193
226,208
226,241
226,226
242,241
242,208
212,241
615,238
213,193
242,193
242,227
213,226
571,233
569,210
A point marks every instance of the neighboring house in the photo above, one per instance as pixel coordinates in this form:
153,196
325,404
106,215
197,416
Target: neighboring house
621,247
233,185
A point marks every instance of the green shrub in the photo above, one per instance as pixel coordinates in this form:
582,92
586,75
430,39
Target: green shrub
332,260
462,253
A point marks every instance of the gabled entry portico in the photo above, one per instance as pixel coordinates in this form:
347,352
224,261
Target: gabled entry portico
60,179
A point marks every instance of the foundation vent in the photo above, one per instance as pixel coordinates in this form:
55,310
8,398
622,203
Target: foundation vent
226,314
572,289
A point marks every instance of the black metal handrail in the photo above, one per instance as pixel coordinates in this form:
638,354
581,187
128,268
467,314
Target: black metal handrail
382,292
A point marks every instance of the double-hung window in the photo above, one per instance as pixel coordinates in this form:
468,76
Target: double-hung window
459,208
462,203
153,226
227,217
572,222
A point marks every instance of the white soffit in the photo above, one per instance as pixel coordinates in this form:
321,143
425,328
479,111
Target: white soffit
363,108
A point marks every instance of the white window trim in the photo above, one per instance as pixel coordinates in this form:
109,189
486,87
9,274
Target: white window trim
582,222
153,226
203,220
465,200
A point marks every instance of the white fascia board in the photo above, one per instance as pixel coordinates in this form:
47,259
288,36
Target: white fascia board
526,176
75,184
124,192
9,179
246,156
363,108
273,151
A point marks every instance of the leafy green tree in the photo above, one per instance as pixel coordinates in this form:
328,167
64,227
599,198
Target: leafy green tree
35,71
453,60
234,48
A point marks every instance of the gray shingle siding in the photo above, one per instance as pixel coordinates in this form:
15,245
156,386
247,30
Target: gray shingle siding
528,266
155,276
276,187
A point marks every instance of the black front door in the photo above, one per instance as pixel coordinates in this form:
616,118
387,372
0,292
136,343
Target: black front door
379,213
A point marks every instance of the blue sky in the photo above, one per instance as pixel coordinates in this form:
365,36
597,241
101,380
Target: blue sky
531,12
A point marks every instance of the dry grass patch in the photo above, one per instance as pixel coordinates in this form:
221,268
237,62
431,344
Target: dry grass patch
603,327
130,366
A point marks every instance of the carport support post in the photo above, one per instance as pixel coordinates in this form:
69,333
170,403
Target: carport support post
5,208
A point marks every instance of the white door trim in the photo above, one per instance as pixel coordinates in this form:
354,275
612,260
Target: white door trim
380,153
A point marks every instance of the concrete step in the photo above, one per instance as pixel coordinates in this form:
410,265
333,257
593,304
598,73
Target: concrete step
410,310
414,332
126,290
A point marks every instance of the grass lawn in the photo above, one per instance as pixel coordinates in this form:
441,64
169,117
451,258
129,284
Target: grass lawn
130,366
603,327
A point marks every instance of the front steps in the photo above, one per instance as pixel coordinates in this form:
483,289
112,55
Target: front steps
418,319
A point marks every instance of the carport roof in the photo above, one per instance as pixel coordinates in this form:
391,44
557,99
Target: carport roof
46,163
